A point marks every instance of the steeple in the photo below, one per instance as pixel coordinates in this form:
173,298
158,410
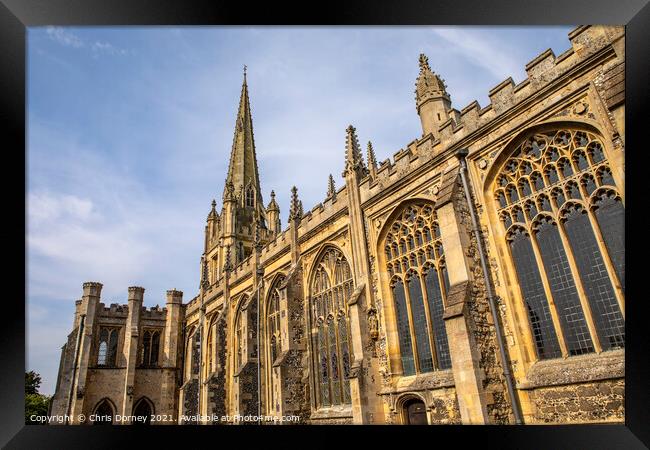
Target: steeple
243,174
431,98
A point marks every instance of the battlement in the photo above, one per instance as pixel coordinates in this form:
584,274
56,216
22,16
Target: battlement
116,310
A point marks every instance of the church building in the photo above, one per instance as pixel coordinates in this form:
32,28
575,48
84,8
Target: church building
476,277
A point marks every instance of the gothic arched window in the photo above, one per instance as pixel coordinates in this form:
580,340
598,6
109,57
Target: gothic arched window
250,197
239,336
143,410
557,251
331,288
104,413
273,339
419,288
150,348
107,348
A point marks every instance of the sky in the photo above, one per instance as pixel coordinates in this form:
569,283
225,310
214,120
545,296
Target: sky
130,130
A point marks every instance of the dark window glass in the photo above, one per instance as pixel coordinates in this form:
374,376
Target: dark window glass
563,289
573,191
403,328
538,181
323,366
502,200
597,154
606,178
532,210
558,195
519,215
345,356
525,188
436,311
507,221
512,194
610,325
566,169
532,289
551,174
589,184
581,161
610,215
425,358
544,204
334,366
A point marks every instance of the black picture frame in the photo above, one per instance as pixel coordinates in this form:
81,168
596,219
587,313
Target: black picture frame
16,15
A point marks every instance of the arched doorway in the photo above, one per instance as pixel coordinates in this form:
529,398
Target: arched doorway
104,413
143,409
415,412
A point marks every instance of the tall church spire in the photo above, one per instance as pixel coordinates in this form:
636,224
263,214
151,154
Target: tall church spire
242,170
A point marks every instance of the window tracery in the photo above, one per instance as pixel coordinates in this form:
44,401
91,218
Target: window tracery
273,339
419,283
107,349
150,348
331,288
554,246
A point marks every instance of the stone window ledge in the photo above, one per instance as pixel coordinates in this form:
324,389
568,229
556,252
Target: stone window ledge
575,369
332,412
423,381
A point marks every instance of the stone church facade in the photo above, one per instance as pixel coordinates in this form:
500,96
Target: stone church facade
475,278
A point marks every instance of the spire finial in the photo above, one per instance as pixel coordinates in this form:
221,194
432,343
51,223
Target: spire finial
273,205
257,239
227,267
372,161
214,203
205,282
245,67
331,187
295,212
424,63
353,158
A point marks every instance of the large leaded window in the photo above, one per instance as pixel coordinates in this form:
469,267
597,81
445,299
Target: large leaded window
331,288
273,339
416,264
564,221
239,335
107,349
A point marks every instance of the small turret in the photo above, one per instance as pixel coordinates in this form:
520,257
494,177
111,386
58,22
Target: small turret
273,214
432,100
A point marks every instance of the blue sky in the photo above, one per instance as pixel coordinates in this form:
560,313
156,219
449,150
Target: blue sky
130,129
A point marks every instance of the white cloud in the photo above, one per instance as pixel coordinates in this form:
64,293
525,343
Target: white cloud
68,39
479,48
64,37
